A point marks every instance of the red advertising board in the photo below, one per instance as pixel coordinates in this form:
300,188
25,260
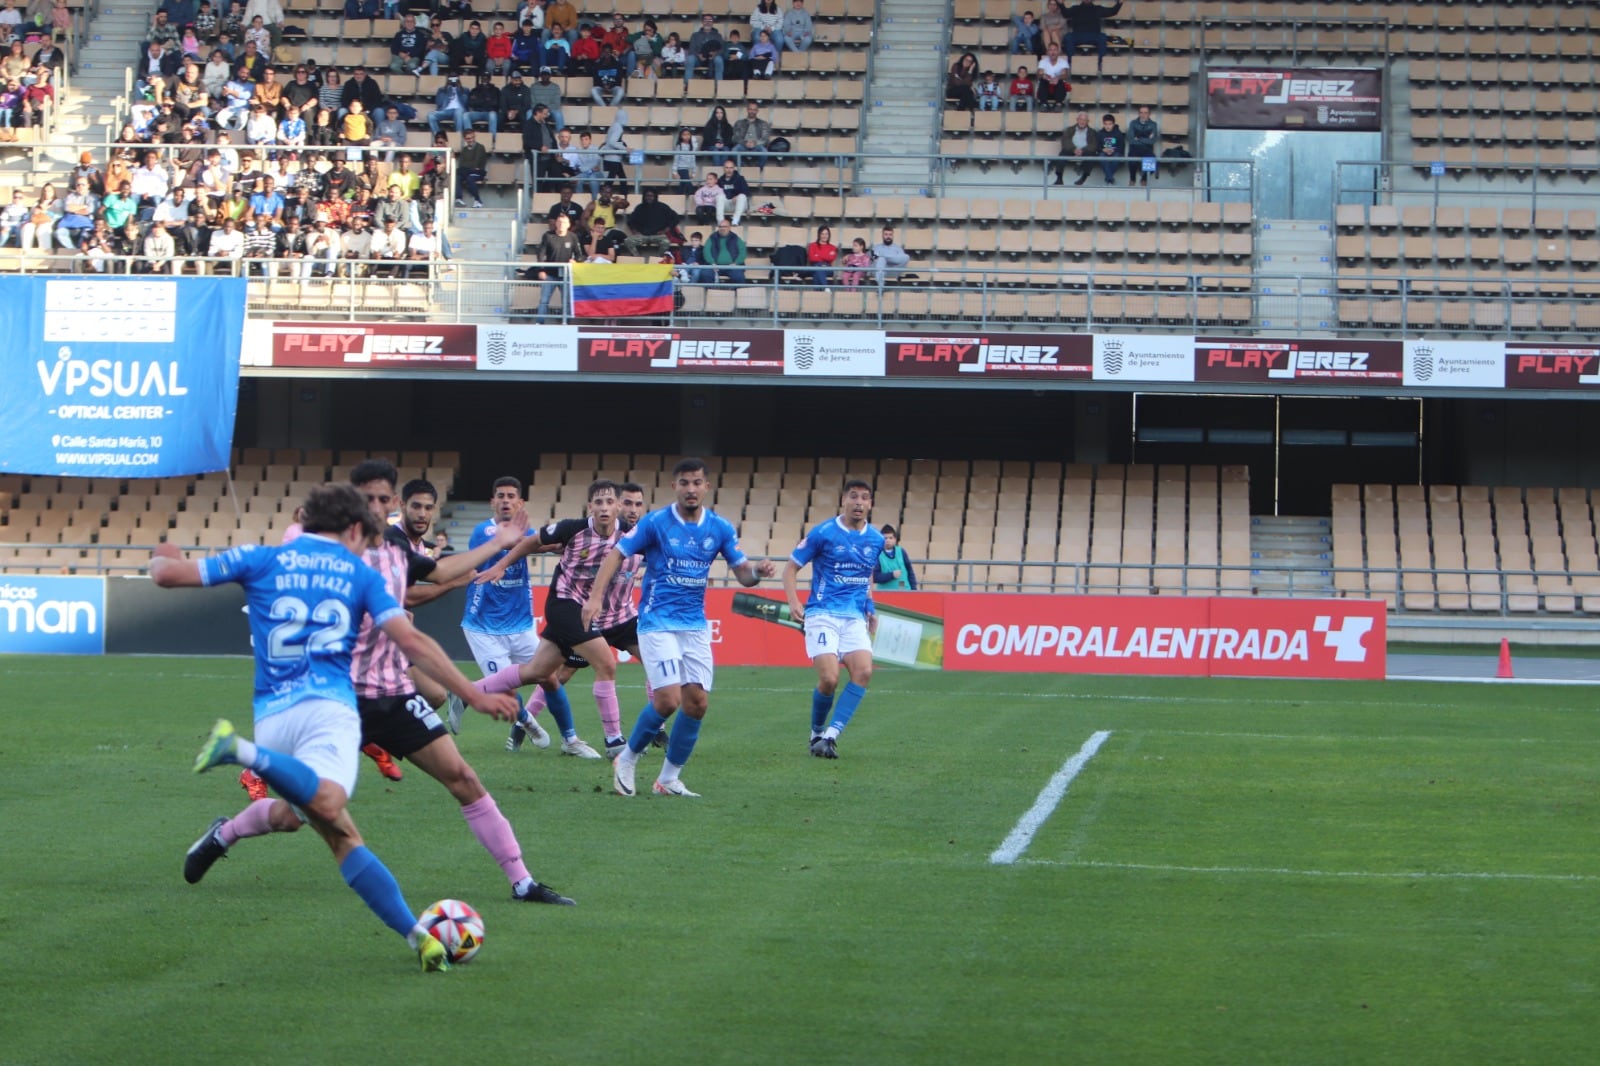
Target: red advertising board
1551,366
374,346
1282,98
673,352
1045,355
1193,637
1286,362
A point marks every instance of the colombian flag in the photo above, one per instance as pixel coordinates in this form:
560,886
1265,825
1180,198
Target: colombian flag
612,290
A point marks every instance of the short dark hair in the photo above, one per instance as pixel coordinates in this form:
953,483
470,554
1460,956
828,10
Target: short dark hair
888,530
502,482
418,485
600,485
688,465
374,470
855,483
335,508
630,486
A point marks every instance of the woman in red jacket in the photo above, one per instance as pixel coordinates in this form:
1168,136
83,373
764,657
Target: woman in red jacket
821,254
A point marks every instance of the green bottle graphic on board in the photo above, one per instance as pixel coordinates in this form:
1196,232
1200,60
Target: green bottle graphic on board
904,638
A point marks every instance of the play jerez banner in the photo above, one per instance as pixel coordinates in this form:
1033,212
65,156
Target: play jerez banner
119,376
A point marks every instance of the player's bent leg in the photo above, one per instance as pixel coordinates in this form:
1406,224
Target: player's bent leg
822,696
441,760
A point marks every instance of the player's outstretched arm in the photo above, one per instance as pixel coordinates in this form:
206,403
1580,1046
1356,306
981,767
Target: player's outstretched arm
170,570
791,575
426,653
509,536
749,573
602,580
523,548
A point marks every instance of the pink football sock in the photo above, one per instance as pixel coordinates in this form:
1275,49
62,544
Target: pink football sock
496,836
253,821
605,696
505,679
536,701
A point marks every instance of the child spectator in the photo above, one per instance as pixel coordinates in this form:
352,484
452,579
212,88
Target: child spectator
857,261
989,92
1022,90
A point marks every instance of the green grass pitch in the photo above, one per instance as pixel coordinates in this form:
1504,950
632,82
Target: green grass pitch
1244,872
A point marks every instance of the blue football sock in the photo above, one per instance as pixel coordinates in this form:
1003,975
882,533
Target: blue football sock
848,702
681,744
561,711
645,728
372,881
820,706
288,776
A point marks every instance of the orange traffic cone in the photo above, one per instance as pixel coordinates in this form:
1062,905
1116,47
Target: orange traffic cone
1505,659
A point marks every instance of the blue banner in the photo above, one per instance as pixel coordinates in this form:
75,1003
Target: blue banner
119,376
52,615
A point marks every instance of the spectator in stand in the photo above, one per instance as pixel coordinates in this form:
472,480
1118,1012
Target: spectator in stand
1055,83
705,47
764,57
251,65
408,47
515,102
205,20
735,193
424,249
227,245
653,224
13,218
360,87
483,105
716,136
1080,143
531,11
449,105
233,20
405,179
646,47
541,147
1026,35
684,159
119,207
259,128
425,207
610,75
234,110
158,71
856,264
767,17
45,211
617,37
472,166
301,93
189,44
558,246
1113,148
1052,26
1086,25
437,50
159,250
11,97
525,47
1143,136
217,73
260,248
390,131
725,252
497,51
735,58
189,96
586,51
560,11
614,149
270,12
545,92
822,253
469,52
258,34
585,163
163,30
356,130
1022,90
15,64
101,248
694,268
888,256
78,210
674,57
988,92
293,250
894,569
389,245
355,244
798,31
324,249
361,9
557,52
708,200
750,137
959,87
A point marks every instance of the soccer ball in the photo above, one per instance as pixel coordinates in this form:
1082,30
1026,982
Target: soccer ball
457,926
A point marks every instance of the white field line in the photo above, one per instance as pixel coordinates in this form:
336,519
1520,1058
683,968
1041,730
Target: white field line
1021,835
1270,871
1498,680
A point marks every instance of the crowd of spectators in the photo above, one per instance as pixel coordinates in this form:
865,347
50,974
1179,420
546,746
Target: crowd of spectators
32,39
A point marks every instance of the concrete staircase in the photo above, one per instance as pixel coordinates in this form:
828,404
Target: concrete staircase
114,41
481,243
1291,555
1295,257
904,99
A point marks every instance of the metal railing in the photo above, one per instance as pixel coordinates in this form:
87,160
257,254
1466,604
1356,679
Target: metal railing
1466,593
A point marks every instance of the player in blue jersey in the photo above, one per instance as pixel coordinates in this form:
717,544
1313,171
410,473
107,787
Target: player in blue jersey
679,544
498,619
307,601
839,619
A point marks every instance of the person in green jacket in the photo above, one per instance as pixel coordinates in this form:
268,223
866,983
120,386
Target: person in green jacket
894,566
